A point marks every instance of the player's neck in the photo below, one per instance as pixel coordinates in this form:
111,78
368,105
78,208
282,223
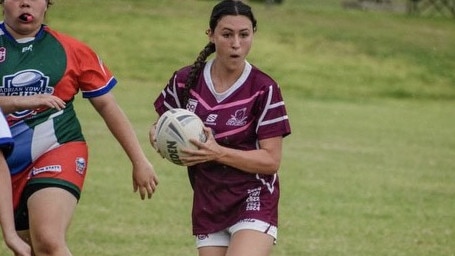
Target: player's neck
18,35
223,78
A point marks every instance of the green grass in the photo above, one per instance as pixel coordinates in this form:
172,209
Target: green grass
374,179
368,169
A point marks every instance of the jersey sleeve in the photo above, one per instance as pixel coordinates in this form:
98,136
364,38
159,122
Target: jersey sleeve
273,120
95,78
85,70
170,97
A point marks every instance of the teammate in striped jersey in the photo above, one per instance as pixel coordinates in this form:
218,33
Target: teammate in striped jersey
234,175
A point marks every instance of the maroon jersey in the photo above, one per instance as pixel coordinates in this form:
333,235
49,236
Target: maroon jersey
251,110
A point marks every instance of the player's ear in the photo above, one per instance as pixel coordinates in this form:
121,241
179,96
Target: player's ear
209,33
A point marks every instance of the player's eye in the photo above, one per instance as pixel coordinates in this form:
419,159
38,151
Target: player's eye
244,35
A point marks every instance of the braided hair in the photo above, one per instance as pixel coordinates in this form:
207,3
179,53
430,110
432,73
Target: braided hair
224,8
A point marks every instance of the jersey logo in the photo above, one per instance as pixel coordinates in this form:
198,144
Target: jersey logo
50,168
211,119
25,83
81,165
27,48
238,119
192,104
2,54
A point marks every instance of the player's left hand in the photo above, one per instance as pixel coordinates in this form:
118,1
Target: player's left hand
152,137
145,179
207,151
17,245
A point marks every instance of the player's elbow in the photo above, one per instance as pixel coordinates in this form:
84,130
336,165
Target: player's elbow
271,168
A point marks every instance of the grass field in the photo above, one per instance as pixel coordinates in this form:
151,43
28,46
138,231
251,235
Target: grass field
369,167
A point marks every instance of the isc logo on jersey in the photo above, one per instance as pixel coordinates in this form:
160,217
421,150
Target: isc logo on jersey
174,130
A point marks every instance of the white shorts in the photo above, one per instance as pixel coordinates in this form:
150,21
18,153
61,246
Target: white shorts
223,237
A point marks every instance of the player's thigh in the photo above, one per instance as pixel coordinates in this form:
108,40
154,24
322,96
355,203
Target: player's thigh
50,212
250,243
212,251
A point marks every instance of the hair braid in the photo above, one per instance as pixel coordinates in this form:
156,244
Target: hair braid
196,70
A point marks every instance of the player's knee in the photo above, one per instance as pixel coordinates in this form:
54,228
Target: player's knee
48,245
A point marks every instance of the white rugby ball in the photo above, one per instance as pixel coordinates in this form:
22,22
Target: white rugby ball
174,130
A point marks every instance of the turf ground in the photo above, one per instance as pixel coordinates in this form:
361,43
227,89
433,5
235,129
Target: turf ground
369,167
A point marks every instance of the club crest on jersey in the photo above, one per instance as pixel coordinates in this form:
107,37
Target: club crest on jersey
238,119
2,54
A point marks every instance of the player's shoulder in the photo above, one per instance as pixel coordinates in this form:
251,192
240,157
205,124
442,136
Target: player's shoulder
182,73
261,78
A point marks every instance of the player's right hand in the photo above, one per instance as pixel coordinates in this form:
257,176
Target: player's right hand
152,137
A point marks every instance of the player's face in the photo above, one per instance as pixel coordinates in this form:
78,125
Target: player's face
23,18
233,37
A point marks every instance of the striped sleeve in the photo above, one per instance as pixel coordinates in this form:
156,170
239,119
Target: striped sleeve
274,120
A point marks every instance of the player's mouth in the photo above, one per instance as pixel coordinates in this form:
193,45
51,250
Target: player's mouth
26,17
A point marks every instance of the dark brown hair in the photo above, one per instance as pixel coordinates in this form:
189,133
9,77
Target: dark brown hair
224,8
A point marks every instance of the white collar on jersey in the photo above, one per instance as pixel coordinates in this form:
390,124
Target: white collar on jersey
25,40
221,96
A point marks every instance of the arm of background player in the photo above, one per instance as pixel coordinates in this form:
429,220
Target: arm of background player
11,104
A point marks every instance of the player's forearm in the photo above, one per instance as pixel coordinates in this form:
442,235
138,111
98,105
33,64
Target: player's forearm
123,131
127,138
252,161
6,219
6,205
10,104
